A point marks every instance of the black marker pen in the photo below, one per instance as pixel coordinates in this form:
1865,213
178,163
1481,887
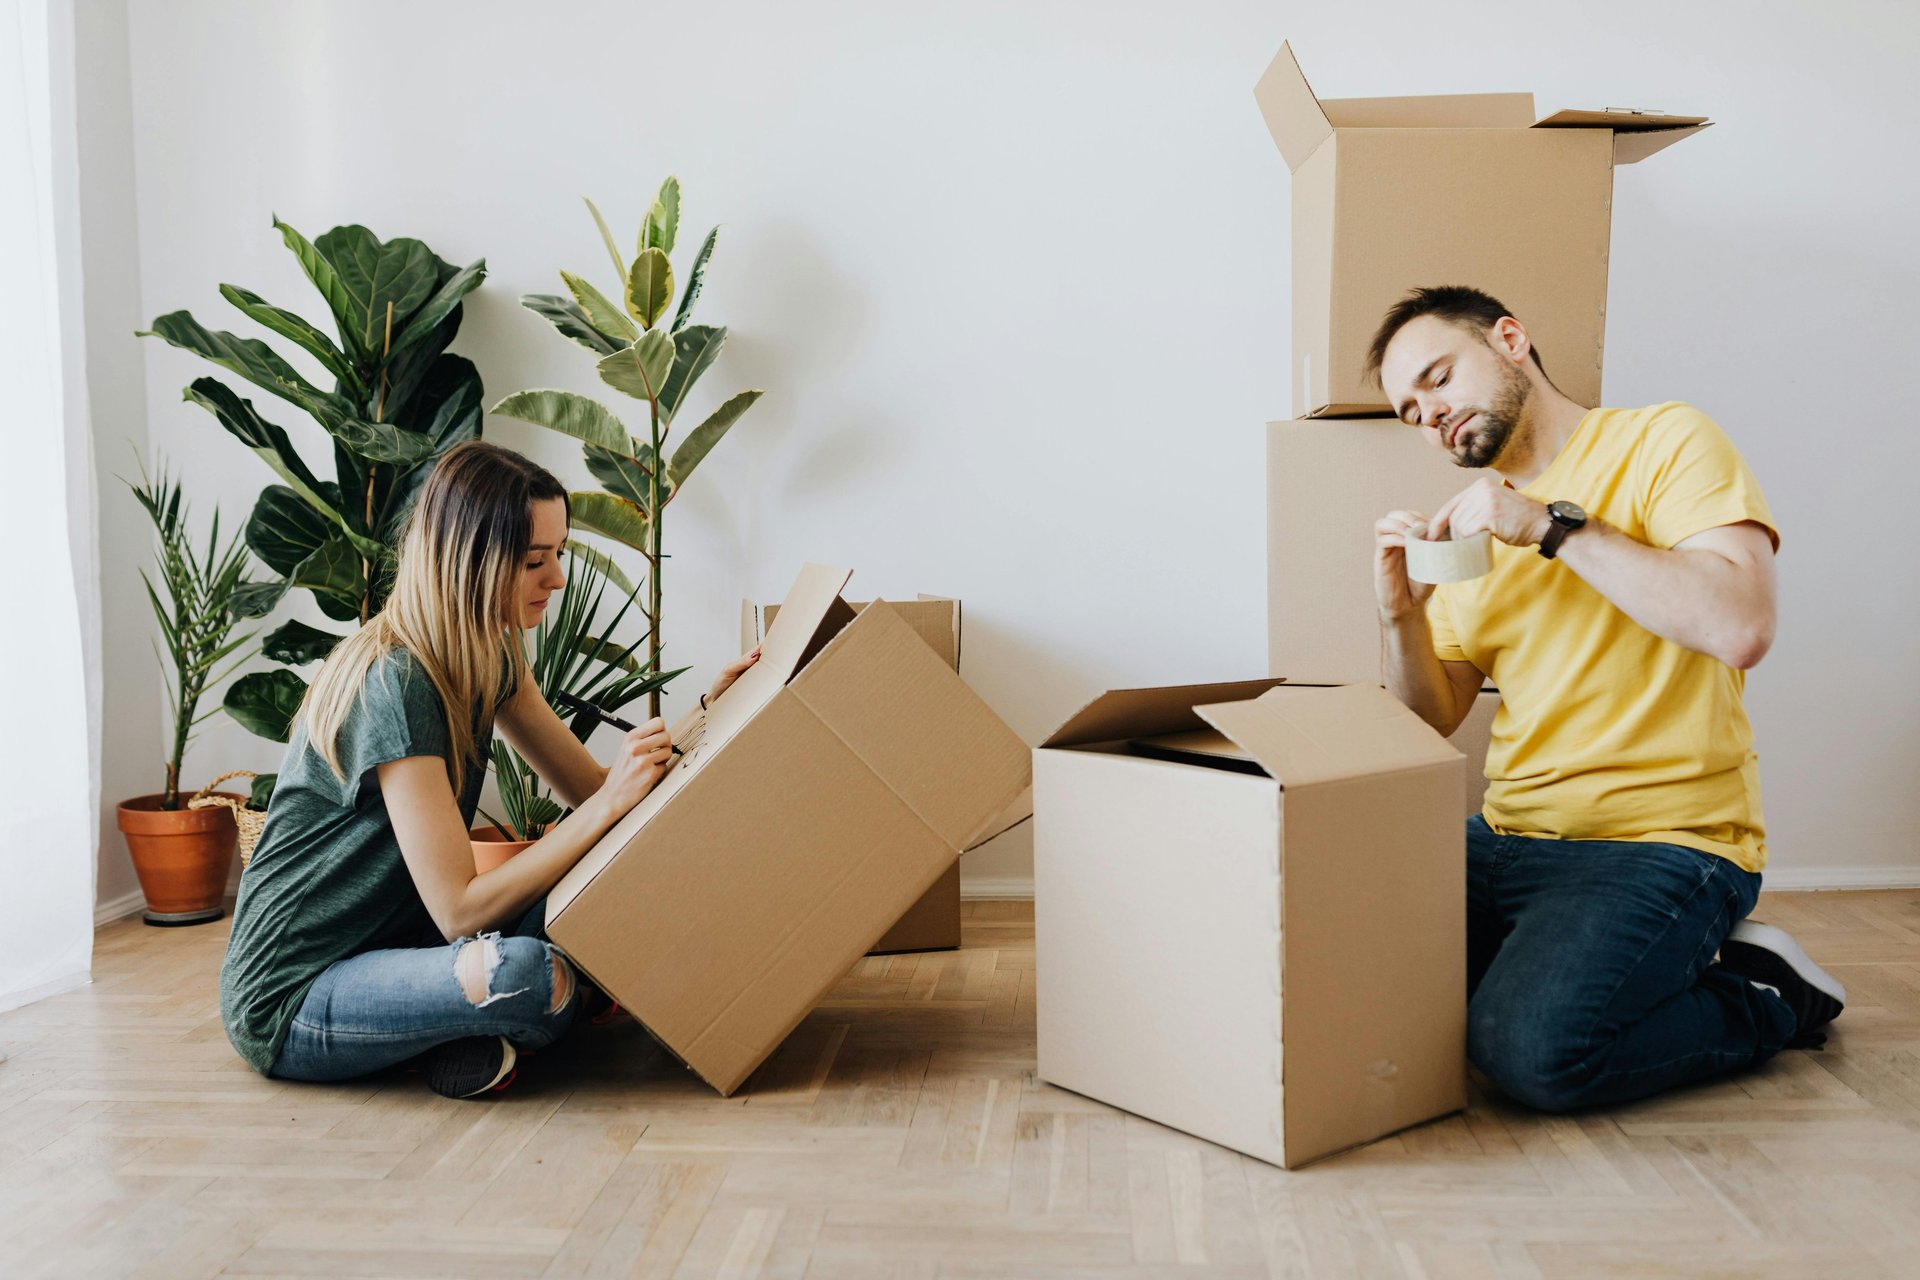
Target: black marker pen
572,703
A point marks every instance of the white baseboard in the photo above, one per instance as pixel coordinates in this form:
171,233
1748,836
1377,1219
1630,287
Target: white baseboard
119,908
1800,878
1019,888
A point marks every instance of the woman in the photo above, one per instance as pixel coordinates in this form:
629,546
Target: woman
363,937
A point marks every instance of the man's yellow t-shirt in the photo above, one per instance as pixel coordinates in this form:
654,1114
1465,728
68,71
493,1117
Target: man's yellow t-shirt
1605,730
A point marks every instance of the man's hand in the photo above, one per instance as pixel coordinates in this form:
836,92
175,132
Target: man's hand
1490,504
1397,595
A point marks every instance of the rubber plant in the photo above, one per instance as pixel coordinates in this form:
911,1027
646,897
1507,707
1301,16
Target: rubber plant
574,654
398,401
656,360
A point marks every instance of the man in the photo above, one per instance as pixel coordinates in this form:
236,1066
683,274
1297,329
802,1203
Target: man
1621,840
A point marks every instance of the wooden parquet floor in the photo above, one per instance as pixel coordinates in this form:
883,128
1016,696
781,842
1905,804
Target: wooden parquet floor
900,1132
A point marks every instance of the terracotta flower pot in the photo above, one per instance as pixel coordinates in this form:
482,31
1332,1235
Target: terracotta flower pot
182,856
491,848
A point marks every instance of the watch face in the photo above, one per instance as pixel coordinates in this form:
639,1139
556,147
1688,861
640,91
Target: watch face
1567,513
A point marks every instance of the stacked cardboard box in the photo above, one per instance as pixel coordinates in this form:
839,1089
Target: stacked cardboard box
1250,898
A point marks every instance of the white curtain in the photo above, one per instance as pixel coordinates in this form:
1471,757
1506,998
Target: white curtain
49,678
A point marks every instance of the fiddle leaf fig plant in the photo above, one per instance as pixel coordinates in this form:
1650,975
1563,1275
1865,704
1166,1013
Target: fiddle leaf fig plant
639,352
398,401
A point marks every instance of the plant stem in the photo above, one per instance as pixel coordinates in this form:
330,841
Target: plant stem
373,468
655,561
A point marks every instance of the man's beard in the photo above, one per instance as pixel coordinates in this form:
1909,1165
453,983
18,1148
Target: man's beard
1497,422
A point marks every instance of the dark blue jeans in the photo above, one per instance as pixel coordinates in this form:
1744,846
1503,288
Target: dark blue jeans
381,1008
1590,973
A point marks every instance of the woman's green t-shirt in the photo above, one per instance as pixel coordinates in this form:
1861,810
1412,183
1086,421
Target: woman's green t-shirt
327,880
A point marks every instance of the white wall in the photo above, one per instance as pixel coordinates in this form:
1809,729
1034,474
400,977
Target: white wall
1015,279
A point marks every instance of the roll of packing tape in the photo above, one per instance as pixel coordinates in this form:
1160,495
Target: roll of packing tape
1448,560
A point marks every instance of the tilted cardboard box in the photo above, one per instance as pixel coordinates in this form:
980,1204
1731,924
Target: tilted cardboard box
933,922
837,779
1273,963
1390,194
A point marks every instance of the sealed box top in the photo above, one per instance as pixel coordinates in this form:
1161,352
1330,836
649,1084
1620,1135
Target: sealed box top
1300,120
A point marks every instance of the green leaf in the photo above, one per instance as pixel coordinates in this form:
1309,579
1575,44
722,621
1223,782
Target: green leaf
706,435
662,223
380,441
251,358
400,274
623,474
334,569
696,281
610,517
695,348
563,411
262,791
442,302
296,644
265,702
603,564
649,286
571,320
610,321
273,447
619,267
288,325
610,652
283,530
641,369
324,278
257,599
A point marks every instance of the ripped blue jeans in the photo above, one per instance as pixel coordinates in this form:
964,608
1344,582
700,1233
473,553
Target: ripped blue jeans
380,1008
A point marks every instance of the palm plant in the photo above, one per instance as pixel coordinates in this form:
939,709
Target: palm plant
398,402
196,617
653,362
574,654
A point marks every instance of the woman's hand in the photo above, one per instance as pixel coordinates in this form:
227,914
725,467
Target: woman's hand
728,674
639,762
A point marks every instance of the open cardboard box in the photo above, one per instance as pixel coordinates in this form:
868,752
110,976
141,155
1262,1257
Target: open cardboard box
1275,963
932,923
823,793
1390,194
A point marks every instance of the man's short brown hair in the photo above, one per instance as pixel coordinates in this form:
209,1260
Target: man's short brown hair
1460,304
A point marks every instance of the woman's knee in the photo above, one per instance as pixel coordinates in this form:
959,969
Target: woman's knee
520,973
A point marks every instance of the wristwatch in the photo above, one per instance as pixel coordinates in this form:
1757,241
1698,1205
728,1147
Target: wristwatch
1565,518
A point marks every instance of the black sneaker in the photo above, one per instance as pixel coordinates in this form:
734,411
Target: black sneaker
1767,956
471,1067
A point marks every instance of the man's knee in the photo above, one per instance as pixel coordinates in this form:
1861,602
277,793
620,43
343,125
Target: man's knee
491,968
1529,1060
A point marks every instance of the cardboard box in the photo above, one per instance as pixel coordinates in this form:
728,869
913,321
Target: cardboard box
820,796
933,922
1390,194
1327,482
1471,740
1273,963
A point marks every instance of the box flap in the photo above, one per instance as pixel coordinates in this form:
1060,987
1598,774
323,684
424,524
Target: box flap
1304,735
1130,713
1432,111
956,621
1636,134
931,740
1293,114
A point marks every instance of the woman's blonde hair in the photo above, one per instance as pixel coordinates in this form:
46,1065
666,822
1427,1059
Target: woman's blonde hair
454,603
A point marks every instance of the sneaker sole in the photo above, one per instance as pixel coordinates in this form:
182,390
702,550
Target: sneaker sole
1780,943
502,1078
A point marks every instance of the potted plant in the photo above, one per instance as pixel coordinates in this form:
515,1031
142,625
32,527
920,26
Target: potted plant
643,355
399,400
573,655
183,854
